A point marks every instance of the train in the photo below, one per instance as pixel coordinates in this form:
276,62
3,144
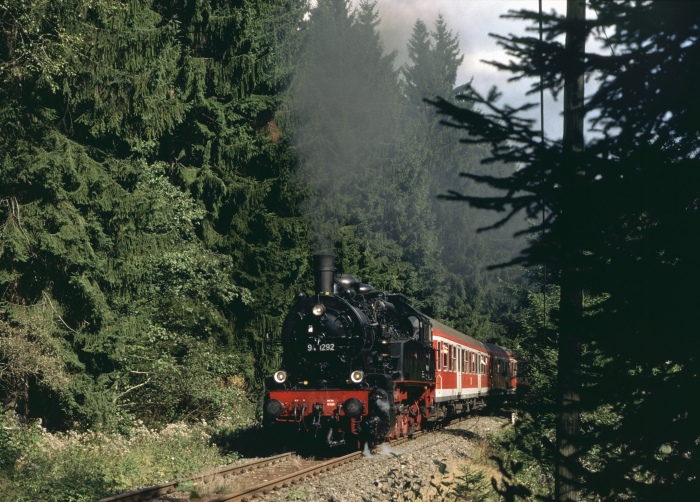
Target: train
361,366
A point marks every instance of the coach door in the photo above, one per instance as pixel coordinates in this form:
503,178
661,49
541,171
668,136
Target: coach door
458,369
478,370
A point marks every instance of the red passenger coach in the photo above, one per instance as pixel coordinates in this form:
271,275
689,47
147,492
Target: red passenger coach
467,371
505,370
461,369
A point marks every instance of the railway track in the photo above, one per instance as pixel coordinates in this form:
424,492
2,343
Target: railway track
243,481
228,472
287,479
312,468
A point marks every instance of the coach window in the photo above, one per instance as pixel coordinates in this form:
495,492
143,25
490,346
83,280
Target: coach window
445,349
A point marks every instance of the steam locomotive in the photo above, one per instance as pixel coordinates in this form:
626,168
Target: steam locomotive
363,366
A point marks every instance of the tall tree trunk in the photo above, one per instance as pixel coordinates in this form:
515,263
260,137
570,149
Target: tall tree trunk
571,303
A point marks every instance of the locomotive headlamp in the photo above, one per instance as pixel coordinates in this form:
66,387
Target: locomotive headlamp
353,407
318,309
280,376
273,408
357,376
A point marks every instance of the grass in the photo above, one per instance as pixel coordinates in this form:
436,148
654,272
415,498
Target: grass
37,466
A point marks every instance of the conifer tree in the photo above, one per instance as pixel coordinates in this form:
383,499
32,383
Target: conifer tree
473,292
447,57
134,131
369,191
419,75
634,206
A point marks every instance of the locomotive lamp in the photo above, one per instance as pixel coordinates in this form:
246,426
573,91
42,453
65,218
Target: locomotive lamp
318,310
280,376
273,408
353,407
357,376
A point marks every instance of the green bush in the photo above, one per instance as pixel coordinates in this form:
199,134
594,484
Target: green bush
471,485
524,458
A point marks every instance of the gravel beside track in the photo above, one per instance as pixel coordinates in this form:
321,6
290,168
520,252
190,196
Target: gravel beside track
408,471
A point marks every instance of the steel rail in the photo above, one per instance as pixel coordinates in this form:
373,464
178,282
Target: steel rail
164,489
288,479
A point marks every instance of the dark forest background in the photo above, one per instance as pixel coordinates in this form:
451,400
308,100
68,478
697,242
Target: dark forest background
168,167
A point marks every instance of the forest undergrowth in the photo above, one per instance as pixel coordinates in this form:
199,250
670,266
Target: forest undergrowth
40,466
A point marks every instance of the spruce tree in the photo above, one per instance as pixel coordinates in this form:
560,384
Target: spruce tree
474,297
369,191
137,195
419,75
632,194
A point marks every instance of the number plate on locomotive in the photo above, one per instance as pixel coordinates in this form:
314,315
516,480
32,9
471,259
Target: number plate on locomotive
321,347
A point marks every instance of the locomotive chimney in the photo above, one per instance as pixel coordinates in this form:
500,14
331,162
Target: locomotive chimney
324,267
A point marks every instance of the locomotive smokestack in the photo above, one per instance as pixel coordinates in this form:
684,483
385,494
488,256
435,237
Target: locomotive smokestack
324,267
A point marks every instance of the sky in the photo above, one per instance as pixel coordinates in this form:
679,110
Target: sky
472,21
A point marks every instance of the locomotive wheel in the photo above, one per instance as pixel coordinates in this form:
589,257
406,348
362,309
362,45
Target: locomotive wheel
377,425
